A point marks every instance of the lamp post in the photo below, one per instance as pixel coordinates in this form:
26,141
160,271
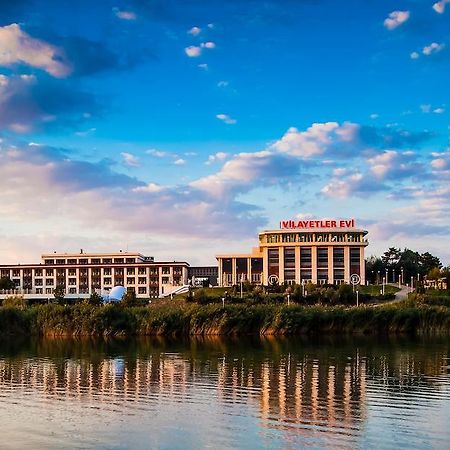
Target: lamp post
386,277
378,277
412,283
402,275
383,284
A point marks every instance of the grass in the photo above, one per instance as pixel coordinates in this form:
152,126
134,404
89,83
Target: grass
411,316
375,289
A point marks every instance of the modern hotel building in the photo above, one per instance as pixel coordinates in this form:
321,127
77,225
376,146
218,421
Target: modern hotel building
81,274
317,251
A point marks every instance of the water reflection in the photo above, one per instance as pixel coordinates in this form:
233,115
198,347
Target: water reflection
278,392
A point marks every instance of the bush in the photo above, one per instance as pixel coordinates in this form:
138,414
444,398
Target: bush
15,301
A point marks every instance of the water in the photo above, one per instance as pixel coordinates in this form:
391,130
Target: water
220,394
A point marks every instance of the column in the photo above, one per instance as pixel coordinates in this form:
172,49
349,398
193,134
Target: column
314,264
362,266
297,265
233,271
265,274
220,270
330,265
347,264
249,269
281,264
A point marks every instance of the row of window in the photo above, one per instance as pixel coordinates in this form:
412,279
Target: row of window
27,273
91,261
311,237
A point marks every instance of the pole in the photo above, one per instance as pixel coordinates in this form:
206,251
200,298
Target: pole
241,287
223,302
289,297
412,283
357,298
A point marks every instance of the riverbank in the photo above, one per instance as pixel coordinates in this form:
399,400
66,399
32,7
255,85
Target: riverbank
178,320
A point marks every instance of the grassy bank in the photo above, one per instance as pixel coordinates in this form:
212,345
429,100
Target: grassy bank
82,320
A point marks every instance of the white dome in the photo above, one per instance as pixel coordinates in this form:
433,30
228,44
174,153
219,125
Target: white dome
117,293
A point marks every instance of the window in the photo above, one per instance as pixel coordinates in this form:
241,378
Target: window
118,271
130,260
322,257
71,261
49,281
166,270
72,290
38,282
49,261
130,271
118,260
338,257
38,273
130,280
72,281
142,271
142,290
107,281
39,291
165,280
107,261
305,258
48,290
16,273
60,261
142,280
106,271
83,261
95,261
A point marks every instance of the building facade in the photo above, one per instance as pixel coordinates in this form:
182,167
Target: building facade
81,274
203,273
301,251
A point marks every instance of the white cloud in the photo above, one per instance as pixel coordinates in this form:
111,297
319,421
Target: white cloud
425,108
395,19
150,187
439,7
130,160
125,15
317,139
193,51
157,153
226,119
414,55
219,156
433,48
203,66
209,45
180,162
16,46
439,110
223,83
374,116
195,31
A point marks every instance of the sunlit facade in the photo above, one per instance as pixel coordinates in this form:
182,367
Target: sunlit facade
321,252
81,274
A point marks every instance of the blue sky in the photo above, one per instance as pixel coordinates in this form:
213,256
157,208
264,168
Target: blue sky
181,128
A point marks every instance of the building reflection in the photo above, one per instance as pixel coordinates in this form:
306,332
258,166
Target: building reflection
284,385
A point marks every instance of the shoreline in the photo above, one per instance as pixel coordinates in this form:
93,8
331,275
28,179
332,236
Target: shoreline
232,320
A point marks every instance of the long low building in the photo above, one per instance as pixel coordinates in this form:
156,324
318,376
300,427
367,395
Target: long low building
301,251
81,274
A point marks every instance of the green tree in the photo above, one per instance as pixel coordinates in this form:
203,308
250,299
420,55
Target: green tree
95,299
428,262
391,257
59,293
434,274
6,284
130,299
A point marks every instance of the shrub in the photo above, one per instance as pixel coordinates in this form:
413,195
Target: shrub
15,301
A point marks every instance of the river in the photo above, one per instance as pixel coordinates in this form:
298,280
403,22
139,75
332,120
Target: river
225,393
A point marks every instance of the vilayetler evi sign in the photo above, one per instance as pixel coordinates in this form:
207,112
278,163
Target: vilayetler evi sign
294,224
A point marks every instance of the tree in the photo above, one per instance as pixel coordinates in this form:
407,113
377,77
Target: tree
391,257
95,299
374,269
59,293
428,262
6,284
129,299
434,274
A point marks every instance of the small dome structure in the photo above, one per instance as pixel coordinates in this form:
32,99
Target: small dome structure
116,294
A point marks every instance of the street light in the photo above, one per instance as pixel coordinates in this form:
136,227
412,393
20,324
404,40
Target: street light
387,277
402,276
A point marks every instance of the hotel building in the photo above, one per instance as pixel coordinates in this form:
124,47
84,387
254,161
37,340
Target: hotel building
301,251
81,274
